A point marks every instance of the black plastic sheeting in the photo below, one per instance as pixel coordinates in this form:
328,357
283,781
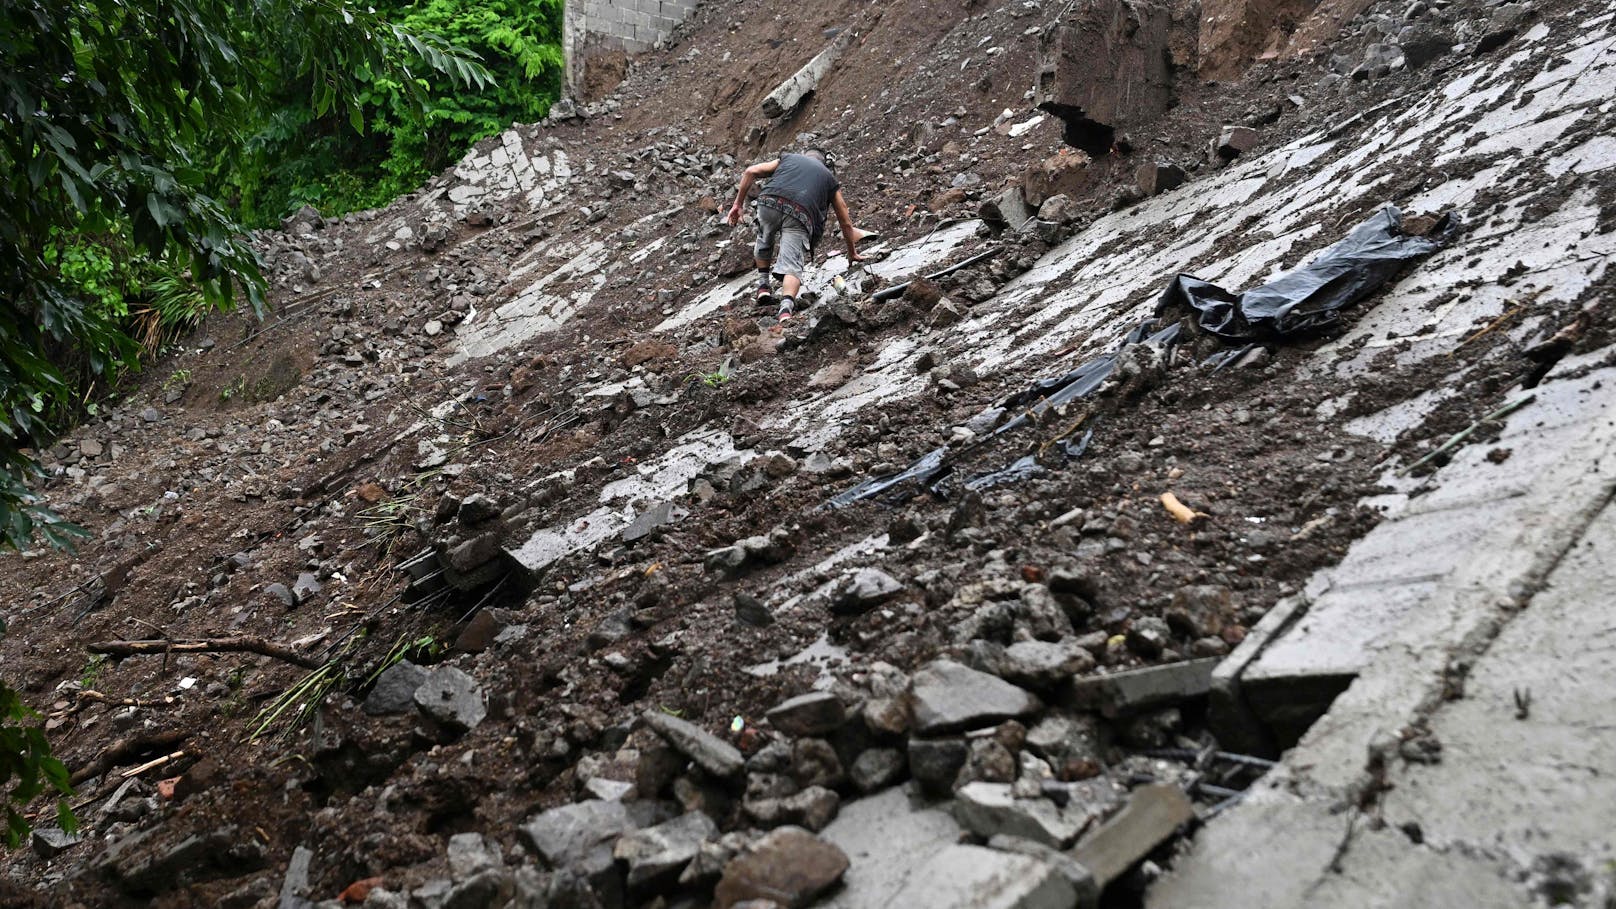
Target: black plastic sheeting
1295,305
1308,300
932,469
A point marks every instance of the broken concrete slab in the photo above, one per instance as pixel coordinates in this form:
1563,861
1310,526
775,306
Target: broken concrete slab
1082,881
887,837
789,95
946,697
1133,690
991,809
708,751
974,877
1104,69
1153,814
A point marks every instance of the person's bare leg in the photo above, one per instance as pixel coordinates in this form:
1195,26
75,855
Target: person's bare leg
789,285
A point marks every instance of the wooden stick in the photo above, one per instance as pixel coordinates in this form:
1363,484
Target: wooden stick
212,645
137,771
125,749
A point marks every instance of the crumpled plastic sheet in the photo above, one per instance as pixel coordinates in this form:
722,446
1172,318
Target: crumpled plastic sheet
1309,299
1296,304
933,468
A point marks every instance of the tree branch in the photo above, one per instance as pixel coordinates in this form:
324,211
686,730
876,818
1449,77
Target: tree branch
213,645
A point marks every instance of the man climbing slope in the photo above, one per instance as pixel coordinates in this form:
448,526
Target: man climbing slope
791,218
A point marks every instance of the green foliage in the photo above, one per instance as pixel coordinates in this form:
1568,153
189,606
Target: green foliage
27,768
104,103
388,144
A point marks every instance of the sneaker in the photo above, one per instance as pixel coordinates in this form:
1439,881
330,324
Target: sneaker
787,309
765,295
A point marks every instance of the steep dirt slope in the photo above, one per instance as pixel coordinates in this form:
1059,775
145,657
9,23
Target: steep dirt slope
523,425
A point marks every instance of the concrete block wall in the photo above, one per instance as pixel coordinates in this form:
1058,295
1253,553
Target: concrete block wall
628,25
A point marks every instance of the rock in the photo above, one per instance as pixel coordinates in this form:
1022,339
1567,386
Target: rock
281,594
708,751
935,763
1059,209
49,842
452,698
815,713
477,509
1148,636
1071,744
876,768
988,809
656,855
946,696
864,590
1156,178
749,610
609,790
563,836
1233,142
484,629
1044,665
90,448
1008,209
946,313
1199,610
814,763
469,853
653,519
394,691
1424,44
151,415
306,585
974,877
1153,814
489,887
790,866
813,807
470,555
1134,690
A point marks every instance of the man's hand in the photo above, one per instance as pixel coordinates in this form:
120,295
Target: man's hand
734,216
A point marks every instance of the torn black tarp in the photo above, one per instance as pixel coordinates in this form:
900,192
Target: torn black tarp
933,468
1309,298
929,468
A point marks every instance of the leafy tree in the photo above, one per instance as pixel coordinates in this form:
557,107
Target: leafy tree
102,103
298,154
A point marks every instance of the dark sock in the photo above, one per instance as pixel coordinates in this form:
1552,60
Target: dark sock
763,276
788,303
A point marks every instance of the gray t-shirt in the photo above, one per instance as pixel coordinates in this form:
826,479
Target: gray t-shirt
803,188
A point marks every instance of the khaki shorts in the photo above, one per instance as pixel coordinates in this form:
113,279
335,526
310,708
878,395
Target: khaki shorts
776,228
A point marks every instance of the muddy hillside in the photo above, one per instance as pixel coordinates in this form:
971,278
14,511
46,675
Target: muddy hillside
1150,517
